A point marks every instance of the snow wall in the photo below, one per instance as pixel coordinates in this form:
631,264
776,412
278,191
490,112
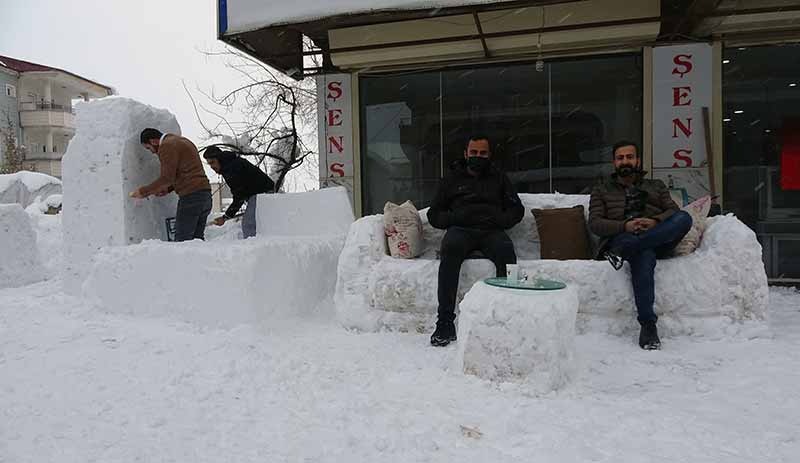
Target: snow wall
20,263
103,164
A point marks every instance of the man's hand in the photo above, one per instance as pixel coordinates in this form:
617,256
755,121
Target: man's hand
646,224
632,226
162,192
220,221
137,193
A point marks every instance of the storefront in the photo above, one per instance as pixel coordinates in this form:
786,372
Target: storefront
706,88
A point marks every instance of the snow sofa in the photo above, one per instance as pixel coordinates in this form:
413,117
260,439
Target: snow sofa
288,269
709,292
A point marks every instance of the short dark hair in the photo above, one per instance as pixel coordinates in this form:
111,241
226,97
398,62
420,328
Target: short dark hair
212,152
480,136
149,134
623,143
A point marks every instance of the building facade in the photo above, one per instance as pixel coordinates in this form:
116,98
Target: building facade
708,89
39,100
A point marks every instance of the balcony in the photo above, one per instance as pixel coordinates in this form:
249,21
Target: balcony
46,115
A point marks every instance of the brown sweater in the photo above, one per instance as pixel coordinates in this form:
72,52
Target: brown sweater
181,168
607,206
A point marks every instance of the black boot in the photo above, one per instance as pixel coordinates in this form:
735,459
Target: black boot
614,259
648,336
445,333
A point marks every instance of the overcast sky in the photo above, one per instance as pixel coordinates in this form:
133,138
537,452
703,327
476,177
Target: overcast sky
143,48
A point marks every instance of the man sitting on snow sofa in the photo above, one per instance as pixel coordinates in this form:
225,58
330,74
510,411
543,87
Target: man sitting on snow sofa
638,222
475,203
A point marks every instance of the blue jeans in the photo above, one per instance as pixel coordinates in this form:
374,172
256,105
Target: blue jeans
641,252
191,216
249,219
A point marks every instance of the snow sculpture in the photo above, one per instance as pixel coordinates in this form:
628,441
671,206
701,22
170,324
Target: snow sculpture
518,335
102,165
20,262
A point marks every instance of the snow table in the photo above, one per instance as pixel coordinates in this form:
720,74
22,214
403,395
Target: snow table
517,333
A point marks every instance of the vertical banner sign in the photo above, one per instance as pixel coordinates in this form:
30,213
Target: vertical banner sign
335,119
682,81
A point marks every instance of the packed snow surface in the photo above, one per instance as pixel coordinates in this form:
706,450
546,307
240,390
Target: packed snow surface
103,164
78,384
319,212
20,263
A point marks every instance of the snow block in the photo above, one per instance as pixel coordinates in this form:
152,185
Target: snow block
217,284
103,164
709,292
325,211
20,263
24,187
518,335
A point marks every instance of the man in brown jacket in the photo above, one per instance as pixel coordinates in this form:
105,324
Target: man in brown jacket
181,171
638,222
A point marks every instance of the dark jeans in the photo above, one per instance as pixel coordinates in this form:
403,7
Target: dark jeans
641,252
457,244
191,216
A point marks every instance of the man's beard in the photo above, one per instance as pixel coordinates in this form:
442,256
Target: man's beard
627,170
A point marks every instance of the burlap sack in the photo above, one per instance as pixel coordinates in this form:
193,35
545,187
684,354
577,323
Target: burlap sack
403,229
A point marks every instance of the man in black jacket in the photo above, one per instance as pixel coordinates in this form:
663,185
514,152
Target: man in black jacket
475,203
245,181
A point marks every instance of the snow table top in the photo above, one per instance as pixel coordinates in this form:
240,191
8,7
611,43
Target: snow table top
536,285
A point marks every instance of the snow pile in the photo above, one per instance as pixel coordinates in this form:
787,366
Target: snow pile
48,236
51,203
320,212
19,257
511,335
103,164
23,187
709,292
216,284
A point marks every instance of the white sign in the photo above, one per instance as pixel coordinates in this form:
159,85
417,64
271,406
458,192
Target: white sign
335,122
682,77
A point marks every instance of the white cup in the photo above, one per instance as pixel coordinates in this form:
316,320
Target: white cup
512,272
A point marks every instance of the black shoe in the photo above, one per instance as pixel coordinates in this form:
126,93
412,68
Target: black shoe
614,259
445,334
648,337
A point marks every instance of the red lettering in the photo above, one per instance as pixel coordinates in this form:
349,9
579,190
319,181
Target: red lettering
686,129
335,91
684,61
336,142
678,95
682,155
334,117
337,168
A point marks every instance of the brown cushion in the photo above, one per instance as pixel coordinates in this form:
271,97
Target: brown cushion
562,233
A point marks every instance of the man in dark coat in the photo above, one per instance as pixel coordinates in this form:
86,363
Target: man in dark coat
245,180
475,203
638,222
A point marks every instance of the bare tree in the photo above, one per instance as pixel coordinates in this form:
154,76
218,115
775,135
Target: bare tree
13,152
269,116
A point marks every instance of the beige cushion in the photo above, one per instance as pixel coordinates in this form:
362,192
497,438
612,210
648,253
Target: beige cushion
699,212
403,229
562,233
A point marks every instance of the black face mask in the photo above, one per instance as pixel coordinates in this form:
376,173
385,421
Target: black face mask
478,164
627,171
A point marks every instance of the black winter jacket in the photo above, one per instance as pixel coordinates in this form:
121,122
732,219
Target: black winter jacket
487,202
244,179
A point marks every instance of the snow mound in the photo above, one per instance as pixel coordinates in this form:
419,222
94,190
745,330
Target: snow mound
23,187
326,211
710,292
518,335
217,284
103,164
20,263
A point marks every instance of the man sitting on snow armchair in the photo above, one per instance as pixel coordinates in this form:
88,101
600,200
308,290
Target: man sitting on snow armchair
638,222
475,203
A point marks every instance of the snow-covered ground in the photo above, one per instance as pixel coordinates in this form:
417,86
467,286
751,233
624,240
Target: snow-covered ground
78,384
